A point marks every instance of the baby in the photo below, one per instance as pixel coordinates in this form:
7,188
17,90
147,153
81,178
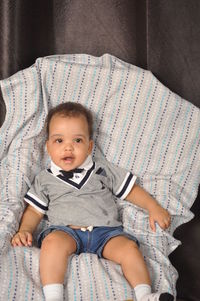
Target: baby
78,196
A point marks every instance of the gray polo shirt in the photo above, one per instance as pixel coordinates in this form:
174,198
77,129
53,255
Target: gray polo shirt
86,199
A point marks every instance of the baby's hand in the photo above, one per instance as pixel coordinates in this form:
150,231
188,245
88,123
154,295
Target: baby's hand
161,216
22,238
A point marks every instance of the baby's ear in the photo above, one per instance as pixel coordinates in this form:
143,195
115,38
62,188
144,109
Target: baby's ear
91,143
46,146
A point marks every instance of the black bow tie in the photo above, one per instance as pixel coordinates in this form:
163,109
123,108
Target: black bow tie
69,174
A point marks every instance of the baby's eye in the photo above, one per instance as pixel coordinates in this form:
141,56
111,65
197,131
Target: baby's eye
78,140
59,140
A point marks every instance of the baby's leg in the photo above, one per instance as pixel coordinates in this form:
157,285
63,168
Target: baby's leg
125,252
56,248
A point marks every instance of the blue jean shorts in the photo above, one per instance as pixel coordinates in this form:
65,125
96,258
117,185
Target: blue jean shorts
89,242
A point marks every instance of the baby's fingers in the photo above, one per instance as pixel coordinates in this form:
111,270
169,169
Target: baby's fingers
152,224
165,223
16,241
22,239
29,239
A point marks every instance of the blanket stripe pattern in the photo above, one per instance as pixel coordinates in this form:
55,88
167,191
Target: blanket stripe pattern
139,124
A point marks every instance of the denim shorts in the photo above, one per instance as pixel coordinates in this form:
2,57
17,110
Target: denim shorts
89,242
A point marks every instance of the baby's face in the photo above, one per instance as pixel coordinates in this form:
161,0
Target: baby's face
68,144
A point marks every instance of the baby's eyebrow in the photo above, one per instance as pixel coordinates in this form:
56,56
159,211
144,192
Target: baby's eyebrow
56,135
79,135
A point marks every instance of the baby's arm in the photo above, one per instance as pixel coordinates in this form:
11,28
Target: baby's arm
143,199
29,222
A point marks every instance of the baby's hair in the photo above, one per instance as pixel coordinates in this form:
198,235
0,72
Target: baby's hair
71,109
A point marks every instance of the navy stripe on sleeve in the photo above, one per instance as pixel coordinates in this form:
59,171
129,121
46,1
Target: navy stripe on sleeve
121,193
36,203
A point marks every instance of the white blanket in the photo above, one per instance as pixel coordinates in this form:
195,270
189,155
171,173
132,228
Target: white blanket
140,125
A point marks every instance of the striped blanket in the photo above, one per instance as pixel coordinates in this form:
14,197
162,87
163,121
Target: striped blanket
140,125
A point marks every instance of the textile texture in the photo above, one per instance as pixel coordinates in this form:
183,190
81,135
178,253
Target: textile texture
139,124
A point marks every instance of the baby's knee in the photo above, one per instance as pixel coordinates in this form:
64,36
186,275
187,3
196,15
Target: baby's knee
50,240
59,241
129,249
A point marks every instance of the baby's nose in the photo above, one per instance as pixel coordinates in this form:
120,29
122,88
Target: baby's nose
68,146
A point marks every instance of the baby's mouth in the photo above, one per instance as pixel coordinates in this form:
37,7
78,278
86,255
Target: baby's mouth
68,159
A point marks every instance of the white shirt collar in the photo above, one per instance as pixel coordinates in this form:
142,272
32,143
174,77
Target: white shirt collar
87,164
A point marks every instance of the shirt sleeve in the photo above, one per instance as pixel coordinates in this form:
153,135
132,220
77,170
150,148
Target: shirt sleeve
35,196
121,180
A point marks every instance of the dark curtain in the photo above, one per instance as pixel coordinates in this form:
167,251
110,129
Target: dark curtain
159,35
